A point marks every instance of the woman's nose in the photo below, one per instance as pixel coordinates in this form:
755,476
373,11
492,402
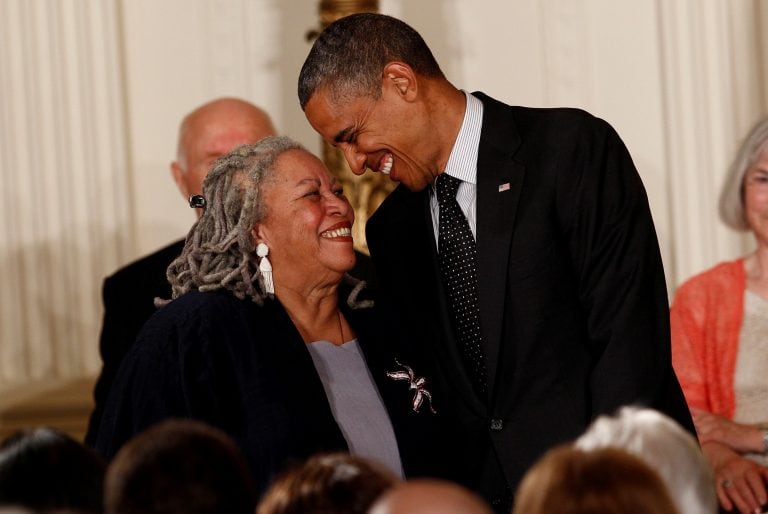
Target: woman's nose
338,204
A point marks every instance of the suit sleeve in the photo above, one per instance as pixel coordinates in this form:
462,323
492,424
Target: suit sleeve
147,388
116,337
622,288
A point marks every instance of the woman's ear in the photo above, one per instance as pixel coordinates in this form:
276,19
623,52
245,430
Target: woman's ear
402,79
258,236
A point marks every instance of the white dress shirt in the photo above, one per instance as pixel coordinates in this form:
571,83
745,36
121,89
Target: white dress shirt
462,164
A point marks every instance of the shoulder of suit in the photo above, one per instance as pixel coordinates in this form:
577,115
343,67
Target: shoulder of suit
394,202
154,263
538,117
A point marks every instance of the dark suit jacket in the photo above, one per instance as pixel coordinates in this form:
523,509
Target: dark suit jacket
245,369
128,297
573,302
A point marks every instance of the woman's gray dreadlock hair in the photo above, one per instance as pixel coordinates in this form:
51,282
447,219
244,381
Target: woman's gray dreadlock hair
219,250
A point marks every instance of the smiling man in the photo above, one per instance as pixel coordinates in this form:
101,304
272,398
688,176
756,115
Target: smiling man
519,250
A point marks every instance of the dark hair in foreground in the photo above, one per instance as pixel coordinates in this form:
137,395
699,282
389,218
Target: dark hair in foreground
349,55
179,466
337,483
571,481
44,470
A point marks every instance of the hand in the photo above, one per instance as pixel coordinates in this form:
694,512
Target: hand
741,438
739,482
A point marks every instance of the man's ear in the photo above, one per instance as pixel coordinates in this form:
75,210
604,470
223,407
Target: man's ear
402,79
178,176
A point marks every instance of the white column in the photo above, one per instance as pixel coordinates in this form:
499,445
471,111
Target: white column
713,93
64,200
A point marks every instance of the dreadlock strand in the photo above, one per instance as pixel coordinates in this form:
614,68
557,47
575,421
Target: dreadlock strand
219,249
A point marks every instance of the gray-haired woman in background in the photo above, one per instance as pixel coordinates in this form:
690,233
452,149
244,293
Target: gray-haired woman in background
719,324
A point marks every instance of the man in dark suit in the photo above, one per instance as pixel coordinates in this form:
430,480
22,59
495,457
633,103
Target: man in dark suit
205,134
561,311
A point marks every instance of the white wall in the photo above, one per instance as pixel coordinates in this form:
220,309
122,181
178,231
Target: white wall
92,93
678,80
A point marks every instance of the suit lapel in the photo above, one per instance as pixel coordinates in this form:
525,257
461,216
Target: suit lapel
499,182
446,340
403,248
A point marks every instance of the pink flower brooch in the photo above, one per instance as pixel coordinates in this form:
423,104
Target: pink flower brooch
414,384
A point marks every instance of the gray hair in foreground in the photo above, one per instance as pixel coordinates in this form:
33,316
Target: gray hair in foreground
349,56
666,447
219,250
732,194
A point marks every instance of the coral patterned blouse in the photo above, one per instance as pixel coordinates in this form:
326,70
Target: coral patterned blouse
706,316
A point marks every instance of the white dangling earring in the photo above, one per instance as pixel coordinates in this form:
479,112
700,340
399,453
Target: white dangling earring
265,268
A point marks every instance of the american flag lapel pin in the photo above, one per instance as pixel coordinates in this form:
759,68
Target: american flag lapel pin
504,187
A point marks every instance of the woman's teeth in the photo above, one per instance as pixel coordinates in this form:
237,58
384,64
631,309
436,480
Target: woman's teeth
339,232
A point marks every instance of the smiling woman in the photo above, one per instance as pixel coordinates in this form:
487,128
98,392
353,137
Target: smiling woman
307,225
719,324
266,336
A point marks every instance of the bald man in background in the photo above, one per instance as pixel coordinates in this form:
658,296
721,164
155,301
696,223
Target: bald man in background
205,134
425,496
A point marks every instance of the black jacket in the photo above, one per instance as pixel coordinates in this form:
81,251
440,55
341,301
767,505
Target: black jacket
573,301
245,369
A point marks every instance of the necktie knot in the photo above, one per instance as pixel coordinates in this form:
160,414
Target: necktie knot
447,186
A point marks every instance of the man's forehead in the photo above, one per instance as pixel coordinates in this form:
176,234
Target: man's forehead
334,119
221,139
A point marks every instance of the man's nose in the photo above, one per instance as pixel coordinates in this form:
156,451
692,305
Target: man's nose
355,159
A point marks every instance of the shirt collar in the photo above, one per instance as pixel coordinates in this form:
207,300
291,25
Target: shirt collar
462,162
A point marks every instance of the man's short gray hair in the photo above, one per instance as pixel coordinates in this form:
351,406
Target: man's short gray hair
349,56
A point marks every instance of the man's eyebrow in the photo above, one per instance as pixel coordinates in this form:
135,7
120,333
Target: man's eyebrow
342,135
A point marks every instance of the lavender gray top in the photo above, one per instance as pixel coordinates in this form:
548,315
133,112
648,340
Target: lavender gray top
356,403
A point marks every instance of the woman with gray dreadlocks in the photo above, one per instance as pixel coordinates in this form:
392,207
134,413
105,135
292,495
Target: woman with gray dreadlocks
267,338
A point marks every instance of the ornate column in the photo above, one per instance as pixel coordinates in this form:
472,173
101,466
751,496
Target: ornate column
367,191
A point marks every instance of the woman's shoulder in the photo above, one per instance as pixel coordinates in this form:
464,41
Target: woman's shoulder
194,314
197,304
724,277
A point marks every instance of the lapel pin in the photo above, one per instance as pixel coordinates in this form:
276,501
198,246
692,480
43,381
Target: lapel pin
504,187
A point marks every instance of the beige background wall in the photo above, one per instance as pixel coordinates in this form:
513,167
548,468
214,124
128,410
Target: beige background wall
91,92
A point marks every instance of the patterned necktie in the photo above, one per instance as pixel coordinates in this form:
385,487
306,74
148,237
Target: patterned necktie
458,269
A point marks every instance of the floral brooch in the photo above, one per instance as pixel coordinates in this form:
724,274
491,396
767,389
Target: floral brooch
415,384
